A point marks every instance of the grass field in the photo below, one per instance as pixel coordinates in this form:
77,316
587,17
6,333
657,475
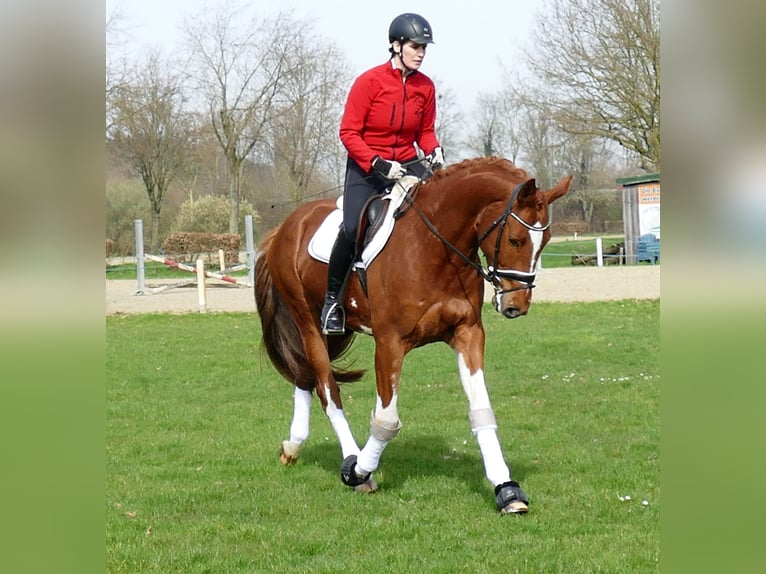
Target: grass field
195,417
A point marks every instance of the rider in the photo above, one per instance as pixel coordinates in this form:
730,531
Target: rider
389,109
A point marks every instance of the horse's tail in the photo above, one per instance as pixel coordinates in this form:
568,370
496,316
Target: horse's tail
281,337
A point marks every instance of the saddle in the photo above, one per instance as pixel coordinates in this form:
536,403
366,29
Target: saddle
375,226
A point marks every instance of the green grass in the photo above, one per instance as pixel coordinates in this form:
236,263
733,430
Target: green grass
195,417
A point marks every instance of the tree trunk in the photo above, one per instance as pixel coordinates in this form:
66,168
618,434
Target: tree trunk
155,242
234,195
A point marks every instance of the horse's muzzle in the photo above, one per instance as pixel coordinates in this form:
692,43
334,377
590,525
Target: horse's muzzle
508,308
510,303
512,312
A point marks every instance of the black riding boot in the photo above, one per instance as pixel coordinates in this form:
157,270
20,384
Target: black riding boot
333,319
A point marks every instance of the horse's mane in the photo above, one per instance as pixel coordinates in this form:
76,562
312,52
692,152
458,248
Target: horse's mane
492,163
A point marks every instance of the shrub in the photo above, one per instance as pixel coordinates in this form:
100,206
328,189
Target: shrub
210,214
125,202
187,246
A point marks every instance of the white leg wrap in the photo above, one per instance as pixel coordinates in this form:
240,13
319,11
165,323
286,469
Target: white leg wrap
369,458
346,439
483,423
494,466
299,429
482,419
384,430
342,430
384,426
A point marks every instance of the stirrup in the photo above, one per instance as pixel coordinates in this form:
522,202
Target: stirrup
333,319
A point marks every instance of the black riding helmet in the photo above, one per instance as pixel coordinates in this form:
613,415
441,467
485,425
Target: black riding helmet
410,26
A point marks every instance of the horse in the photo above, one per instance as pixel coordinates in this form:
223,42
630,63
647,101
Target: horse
425,286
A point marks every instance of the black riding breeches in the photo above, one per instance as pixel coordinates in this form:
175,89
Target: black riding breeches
360,186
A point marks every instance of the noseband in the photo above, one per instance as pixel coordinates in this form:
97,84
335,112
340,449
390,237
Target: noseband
491,274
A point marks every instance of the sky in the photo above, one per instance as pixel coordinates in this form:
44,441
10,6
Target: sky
473,41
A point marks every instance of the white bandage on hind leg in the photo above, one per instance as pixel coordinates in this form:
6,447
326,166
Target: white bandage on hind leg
482,419
299,429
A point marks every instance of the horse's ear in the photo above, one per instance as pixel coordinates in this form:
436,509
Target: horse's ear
528,190
558,190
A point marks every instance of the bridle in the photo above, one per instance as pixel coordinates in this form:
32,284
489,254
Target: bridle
491,274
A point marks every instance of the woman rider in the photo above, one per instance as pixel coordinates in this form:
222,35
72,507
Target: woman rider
389,109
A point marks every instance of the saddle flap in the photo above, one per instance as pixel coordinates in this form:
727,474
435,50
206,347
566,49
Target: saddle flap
371,220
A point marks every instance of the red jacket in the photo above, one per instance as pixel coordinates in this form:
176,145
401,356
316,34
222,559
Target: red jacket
385,116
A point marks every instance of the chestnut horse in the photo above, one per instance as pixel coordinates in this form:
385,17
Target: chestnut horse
426,286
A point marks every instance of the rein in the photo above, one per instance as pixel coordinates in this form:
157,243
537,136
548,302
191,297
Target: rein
491,274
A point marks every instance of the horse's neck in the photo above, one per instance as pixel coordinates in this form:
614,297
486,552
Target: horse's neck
465,204
456,216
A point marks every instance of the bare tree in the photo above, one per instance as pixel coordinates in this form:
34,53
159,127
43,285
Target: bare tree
539,140
150,129
496,127
117,71
598,66
448,123
239,67
304,134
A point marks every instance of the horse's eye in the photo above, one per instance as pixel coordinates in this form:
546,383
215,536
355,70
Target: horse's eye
514,242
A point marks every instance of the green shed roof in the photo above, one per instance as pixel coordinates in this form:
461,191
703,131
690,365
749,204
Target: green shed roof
635,180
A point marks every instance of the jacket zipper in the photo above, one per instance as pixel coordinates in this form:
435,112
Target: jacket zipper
401,124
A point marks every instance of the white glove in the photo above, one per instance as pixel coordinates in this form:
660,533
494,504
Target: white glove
388,169
436,158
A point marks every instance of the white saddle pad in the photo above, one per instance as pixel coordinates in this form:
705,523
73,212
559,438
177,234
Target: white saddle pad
321,243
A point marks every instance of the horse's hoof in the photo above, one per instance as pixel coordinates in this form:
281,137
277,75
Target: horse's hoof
515,508
367,487
510,498
289,453
348,475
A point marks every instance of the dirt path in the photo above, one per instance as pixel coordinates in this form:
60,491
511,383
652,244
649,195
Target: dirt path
567,284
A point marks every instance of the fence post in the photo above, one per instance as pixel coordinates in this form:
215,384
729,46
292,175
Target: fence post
201,294
599,252
250,249
139,231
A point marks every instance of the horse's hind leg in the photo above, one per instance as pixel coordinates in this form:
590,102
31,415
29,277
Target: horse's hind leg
299,429
328,392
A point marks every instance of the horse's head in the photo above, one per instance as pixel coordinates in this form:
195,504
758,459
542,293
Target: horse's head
513,242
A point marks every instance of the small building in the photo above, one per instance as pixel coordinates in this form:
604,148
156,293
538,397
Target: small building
641,217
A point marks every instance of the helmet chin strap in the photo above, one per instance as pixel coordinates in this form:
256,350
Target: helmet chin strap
401,59
400,54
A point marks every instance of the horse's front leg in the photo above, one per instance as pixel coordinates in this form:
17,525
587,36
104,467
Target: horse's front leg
469,346
384,421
